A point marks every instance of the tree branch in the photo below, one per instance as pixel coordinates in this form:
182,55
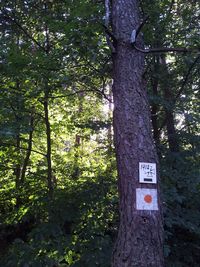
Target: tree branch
186,78
141,25
12,19
110,38
166,49
83,91
98,91
22,148
110,34
71,94
182,87
135,34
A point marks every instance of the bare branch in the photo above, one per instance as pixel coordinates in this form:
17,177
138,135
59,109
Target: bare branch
166,49
136,32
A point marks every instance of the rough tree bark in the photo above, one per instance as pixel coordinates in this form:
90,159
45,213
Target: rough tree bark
155,106
140,241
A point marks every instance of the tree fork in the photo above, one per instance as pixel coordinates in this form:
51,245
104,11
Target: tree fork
140,235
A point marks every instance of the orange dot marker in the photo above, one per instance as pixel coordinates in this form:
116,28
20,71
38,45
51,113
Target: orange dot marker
148,198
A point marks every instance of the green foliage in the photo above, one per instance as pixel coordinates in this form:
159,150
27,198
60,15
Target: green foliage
78,220
181,190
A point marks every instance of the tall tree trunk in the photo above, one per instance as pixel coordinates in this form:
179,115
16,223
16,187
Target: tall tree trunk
17,171
170,123
50,178
76,167
110,134
140,235
48,136
155,107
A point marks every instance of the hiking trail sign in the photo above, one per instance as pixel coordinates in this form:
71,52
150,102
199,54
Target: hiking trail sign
147,173
146,199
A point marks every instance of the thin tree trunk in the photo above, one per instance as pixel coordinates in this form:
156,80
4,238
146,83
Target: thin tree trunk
171,132
48,138
170,123
28,153
17,170
140,236
50,178
76,168
110,135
